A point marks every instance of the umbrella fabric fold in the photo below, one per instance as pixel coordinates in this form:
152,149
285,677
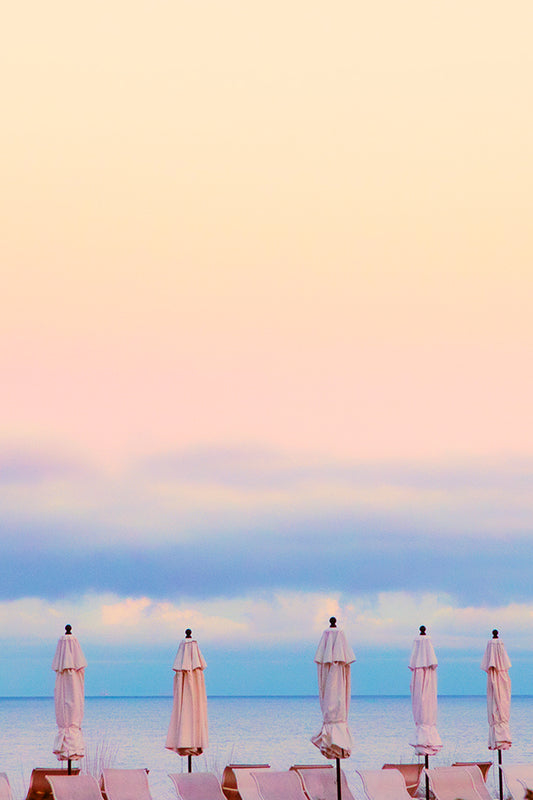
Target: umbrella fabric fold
423,666
333,658
496,664
69,695
188,729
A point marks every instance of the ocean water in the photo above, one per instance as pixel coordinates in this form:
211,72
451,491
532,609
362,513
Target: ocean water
131,732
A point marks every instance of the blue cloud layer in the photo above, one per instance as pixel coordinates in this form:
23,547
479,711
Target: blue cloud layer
339,556
120,542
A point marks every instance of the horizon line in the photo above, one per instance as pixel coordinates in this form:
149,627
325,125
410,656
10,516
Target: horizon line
241,696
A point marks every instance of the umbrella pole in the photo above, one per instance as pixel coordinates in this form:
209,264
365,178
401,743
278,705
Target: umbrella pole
69,767
500,775
339,792
189,763
426,765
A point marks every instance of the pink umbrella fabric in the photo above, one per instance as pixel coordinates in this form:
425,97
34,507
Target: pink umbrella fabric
333,658
423,666
69,694
496,664
188,729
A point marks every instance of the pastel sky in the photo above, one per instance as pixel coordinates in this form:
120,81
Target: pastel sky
265,338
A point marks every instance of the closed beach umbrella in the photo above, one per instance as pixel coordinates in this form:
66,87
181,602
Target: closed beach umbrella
423,666
333,658
69,694
187,732
496,664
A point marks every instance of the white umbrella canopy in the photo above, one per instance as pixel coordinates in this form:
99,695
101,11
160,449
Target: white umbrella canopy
69,694
496,664
333,658
423,666
188,729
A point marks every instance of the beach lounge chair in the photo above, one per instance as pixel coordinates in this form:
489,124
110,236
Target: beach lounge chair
5,787
282,785
449,783
483,765
125,784
197,786
40,788
237,781
320,782
75,787
411,774
518,778
384,784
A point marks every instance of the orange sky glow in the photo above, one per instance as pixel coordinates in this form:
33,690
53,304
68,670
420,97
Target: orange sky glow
292,224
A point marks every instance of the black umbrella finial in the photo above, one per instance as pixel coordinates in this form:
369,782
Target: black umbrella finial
422,630
68,630
494,634
332,622
188,633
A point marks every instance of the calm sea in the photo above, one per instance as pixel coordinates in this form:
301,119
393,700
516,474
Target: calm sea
130,732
